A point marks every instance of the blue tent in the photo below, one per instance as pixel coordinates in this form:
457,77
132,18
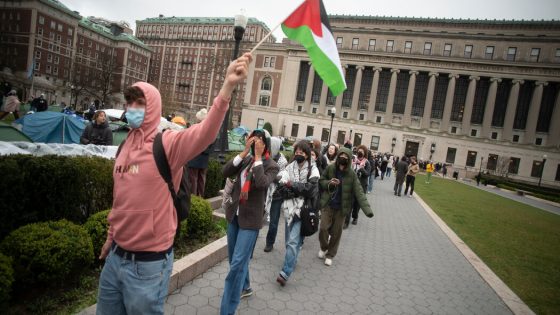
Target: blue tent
52,127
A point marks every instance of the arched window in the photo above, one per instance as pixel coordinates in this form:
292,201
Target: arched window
266,84
265,91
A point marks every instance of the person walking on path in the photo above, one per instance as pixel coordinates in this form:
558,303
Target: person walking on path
413,169
383,167
362,168
254,173
373,170
11,105
340,184
198,167
301,177
273,198
143,221
429,171
402,169
390,164
98,131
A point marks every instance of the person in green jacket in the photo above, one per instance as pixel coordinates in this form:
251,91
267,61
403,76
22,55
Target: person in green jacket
340,185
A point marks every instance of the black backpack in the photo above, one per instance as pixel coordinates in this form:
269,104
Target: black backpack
308,213
181,199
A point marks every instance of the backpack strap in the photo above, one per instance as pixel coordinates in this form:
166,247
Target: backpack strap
163,165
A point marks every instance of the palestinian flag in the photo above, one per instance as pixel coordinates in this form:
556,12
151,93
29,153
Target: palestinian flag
309,25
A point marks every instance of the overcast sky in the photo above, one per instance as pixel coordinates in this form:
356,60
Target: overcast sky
272,12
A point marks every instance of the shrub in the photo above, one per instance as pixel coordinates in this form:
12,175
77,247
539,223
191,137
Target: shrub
183,231
36,189
214,179
199,221
97,226
6,278
48,251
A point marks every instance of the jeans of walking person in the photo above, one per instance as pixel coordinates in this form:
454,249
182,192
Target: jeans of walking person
370,182
294,240
330,230
388,172
409,183
128,286
241,243
274,219
398,187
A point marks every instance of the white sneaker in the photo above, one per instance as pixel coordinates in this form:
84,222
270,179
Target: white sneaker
321,254
328,261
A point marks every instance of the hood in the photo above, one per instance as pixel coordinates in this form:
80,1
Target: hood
344,150
275,144
153,109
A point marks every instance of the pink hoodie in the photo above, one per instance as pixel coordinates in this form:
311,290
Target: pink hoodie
143,217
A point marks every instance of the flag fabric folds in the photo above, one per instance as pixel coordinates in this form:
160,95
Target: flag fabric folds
309,25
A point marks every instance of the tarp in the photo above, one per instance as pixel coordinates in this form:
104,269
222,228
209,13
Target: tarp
10,133
51,127
40,149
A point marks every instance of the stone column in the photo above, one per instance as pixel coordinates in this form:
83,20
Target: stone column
356,95
391,97
323,100
338,103
534,109
489,108
448,107
309,89
373,95
511,109
554,130
469,102
409,97
427,118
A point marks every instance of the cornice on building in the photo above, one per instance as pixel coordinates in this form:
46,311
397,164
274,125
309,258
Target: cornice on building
106,32
199,21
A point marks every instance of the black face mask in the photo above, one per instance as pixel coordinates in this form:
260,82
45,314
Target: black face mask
343,161
360,154
299,158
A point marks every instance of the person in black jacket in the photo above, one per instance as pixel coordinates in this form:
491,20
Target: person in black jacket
39,104
98,132
198,166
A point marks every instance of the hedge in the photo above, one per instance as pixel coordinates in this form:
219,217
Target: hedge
214,179
6,278
199,221
48,252
36,189
97,226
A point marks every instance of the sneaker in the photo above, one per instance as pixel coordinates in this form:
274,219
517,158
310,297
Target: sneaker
268,248
409,196
355,221
328,261
281,280
321,254
246,293
345,226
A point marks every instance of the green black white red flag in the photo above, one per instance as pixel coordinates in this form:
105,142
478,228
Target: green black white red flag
309,25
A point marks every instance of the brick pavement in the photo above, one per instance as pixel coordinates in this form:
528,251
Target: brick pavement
399,262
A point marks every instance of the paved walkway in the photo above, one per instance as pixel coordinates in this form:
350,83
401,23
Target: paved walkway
399,262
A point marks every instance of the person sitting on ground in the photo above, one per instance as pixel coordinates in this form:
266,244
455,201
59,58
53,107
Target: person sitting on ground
11,105
98,132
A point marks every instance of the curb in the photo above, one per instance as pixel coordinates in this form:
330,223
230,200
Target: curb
512,301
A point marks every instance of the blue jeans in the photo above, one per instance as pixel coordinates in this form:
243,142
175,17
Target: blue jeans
274,218
133,287
370,182
294,241
388,173
240,246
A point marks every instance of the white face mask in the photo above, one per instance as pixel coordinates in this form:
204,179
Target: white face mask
135,116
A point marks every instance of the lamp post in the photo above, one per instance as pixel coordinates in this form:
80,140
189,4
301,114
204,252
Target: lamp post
432,150
240,24
542,168
393,143
333,113
350,137
72,87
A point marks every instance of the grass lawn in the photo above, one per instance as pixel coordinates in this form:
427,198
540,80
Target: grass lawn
520,243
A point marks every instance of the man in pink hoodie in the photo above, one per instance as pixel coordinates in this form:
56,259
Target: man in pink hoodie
143,220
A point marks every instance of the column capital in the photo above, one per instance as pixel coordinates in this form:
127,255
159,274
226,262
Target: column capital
435,74
473,77
543,83
454,75
498,80
413,72
517,81
345,66
395,70
360,67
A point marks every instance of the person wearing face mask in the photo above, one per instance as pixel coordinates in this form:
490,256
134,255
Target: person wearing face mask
301,178
138,251
361,166
340,185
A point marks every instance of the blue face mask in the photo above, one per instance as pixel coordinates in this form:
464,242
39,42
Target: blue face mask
135,117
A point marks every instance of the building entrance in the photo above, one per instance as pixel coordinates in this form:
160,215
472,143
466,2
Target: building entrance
411,149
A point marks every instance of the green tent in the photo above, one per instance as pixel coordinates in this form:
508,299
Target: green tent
9,133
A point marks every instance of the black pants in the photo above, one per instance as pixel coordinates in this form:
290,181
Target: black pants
409,183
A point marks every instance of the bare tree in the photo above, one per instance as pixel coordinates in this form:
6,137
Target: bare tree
502,166
102,74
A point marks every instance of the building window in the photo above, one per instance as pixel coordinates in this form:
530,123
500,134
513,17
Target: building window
260,123
264,100
266,84
374,145
48,69
453,129
515,138
557,55
523,104
390,44
440,93
447,50
513,167
309,131
41,20
355,43
502,97
314,110
53,25
480,97
357,139
538,141
316,91
489,54
361,117
371,46
345,115
378,119
325,135
494,135
473,133
383,90
511,52
302,81
468,51
557,178
339,42
37,66
451,153
341,137
536,169
492,162
420,91
427,48
300,108
49,58
351,73
535,53
547,106
295,128
70,32
471,158
37,55
365,89
407,47
40,31
60,27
